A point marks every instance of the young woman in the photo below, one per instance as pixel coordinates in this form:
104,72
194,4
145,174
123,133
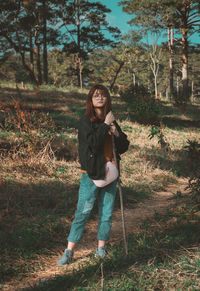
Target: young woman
95,150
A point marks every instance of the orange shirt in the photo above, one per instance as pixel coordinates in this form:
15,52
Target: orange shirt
108,149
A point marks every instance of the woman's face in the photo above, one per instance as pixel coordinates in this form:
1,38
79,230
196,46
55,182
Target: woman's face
99,99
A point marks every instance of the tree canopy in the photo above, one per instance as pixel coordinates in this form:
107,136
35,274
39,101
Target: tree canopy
70,42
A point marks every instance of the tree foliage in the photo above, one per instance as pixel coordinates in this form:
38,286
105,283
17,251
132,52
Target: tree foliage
70,42
183,15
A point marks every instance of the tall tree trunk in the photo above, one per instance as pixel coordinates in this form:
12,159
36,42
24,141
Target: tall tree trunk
155,56
149,86
177,86
119,69
192,93
79,61
39,65
31,72
37,44
31,51
185,89
171,61
45,57
133,75
79,69
155,68
166,93
184,31
156,86
22,54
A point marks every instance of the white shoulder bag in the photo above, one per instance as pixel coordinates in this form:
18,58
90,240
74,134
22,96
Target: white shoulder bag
112,174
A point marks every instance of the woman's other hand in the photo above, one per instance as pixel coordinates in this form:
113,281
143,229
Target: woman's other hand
109,118
113,129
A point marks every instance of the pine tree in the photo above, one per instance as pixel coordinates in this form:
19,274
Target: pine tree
26,26
182,15
85,23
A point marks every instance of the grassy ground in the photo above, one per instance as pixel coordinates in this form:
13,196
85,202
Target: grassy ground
39,180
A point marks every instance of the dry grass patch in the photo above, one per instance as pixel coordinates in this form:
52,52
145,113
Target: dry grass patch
39,185
181,274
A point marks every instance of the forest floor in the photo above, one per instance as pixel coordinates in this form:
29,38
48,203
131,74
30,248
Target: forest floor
134,217
39,181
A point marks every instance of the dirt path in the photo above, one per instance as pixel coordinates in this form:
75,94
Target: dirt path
133,218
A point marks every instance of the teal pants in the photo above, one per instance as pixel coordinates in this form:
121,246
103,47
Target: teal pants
88,193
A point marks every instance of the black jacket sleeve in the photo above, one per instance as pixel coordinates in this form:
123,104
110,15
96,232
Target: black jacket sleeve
121,142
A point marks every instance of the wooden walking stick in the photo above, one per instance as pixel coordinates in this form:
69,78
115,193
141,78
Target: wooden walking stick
121,198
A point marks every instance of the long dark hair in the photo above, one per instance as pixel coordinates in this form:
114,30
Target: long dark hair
89,106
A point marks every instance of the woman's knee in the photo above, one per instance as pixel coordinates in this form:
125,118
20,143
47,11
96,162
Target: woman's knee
87,207
83,211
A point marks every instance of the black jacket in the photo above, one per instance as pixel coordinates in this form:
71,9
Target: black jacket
91,137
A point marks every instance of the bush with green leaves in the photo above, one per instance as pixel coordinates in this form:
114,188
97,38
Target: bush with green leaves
156,131
141,105
193,151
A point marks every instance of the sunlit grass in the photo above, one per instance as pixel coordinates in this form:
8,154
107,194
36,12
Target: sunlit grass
42,87
39,193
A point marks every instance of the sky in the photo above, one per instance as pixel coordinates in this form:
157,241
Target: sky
119,18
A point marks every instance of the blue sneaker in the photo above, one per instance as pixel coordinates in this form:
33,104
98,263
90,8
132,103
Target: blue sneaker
101,252
66,259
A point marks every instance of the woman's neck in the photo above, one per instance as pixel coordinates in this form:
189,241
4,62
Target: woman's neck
99,113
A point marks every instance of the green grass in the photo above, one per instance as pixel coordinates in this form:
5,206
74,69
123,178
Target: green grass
9,84
38,219
159,258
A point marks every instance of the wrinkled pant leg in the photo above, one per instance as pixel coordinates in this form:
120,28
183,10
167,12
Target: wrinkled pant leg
87,195
106,199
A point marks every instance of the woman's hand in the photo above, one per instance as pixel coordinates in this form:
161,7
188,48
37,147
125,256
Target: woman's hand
114,130
109,118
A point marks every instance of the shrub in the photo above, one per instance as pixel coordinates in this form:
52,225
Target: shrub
141,105
194,187
157,131
33,129
193,151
